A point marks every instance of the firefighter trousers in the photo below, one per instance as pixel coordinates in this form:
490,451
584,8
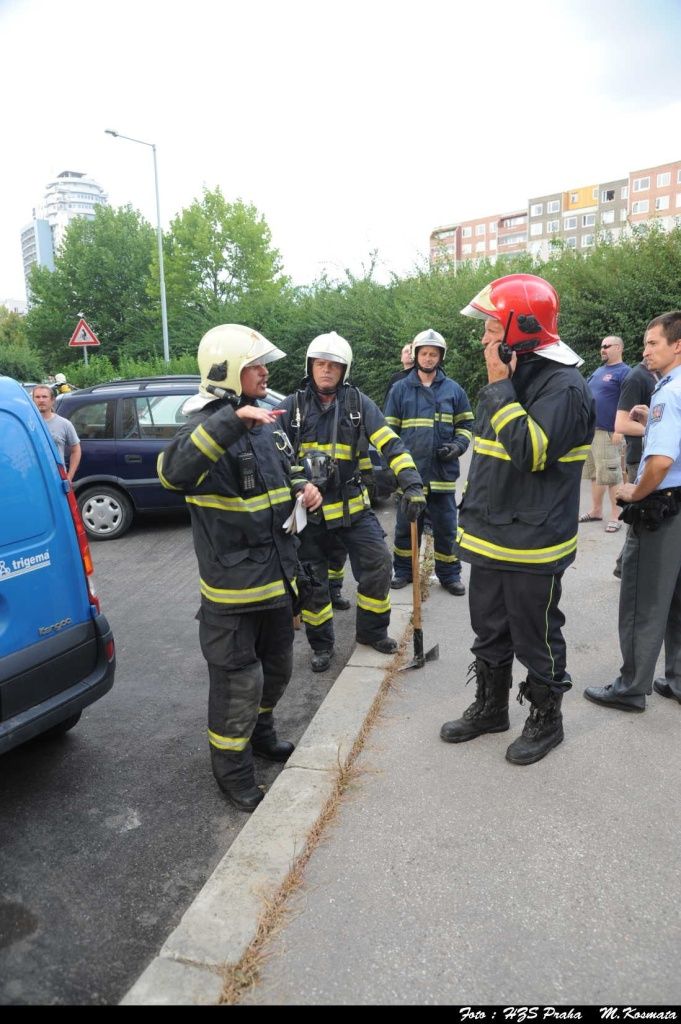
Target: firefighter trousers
517,614
441,507
337,558
250,658
371,566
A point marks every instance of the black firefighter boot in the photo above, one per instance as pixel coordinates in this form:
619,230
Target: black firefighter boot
234,774
265,741
543,729
489,710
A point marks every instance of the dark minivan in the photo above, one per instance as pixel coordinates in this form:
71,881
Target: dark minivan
56,647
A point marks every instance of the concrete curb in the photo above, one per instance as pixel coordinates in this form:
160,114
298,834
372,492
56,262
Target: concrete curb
221,923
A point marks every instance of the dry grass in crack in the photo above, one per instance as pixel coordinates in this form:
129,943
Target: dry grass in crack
243,976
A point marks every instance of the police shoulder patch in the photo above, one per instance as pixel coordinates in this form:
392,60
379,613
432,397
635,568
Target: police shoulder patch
656,412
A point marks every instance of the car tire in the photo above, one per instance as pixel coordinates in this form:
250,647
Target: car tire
106,512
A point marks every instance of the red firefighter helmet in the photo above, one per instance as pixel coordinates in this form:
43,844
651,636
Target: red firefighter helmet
526,306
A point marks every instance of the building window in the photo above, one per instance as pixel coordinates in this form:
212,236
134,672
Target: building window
516,239
574,197
553,206
662,203
479,229
623,214
678,176
624,193
480,246
536,210
641,184
587,240
594,193
536,229
492,243
608,217
512,222
467,248
552,226
678,198
664,179
466,232
571,242
449,233
569,222
640,206
607,195
588,220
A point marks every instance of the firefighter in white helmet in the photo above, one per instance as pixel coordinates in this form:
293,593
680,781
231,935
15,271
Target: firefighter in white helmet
230,461
432,415
518,516
326,421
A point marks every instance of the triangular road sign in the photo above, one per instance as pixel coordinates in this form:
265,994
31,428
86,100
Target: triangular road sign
83,335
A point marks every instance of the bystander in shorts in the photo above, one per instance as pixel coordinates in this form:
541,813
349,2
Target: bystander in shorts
604,461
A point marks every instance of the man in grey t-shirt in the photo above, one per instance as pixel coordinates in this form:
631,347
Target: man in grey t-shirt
62,430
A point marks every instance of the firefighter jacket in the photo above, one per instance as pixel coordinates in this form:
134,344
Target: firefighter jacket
427,418
336,429
246,560
532,434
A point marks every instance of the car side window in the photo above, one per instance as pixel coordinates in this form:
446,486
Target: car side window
129,427
94,420
160,416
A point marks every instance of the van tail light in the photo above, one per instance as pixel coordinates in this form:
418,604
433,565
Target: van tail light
83,545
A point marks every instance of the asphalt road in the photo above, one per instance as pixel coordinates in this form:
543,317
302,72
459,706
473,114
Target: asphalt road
107,833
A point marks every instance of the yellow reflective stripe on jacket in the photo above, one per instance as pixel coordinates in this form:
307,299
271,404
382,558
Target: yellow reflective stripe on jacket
402,552
248,595
227,742
336,574
393,421
317,618
442,485
343,451
444,417
400,462
417,423
365,463
540,444
254,504
335,509
494,449
578,454
525,556
461,416
465,433
445,558
264,711
509,412
205,443
370,604
159,473
380,437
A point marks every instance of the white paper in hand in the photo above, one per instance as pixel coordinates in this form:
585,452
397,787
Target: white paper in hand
297,521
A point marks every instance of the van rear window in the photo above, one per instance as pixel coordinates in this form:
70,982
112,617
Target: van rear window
24,512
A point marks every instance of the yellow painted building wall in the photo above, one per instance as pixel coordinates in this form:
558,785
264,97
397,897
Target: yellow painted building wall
579,198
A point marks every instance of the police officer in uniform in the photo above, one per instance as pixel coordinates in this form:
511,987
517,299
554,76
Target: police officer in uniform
230,461
650,596
432,415
518,517
325,421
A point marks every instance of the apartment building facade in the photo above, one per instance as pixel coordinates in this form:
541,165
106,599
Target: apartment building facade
574,218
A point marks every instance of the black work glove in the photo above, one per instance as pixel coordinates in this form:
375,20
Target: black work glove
448,452
413,502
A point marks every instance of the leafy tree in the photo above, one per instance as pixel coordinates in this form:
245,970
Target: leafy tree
20,362
102,271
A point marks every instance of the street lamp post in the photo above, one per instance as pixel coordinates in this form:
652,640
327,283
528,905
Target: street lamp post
164,311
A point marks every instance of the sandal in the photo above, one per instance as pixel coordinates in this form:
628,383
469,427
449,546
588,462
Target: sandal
588,518
613,526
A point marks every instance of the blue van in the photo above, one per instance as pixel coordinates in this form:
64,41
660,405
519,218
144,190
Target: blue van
57,650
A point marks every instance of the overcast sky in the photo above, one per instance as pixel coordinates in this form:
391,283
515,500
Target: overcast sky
352,125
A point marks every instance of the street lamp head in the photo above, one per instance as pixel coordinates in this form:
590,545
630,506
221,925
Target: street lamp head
109,131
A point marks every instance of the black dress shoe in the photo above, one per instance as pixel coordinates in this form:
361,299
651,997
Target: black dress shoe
665,690
457,588
321,660
604,696
397,582
339,602
384,646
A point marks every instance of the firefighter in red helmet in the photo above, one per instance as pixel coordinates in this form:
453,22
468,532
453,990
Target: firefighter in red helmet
518,517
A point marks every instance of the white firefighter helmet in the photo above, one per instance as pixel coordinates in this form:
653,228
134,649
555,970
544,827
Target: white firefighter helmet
59,378
432,338
224,352
332,347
